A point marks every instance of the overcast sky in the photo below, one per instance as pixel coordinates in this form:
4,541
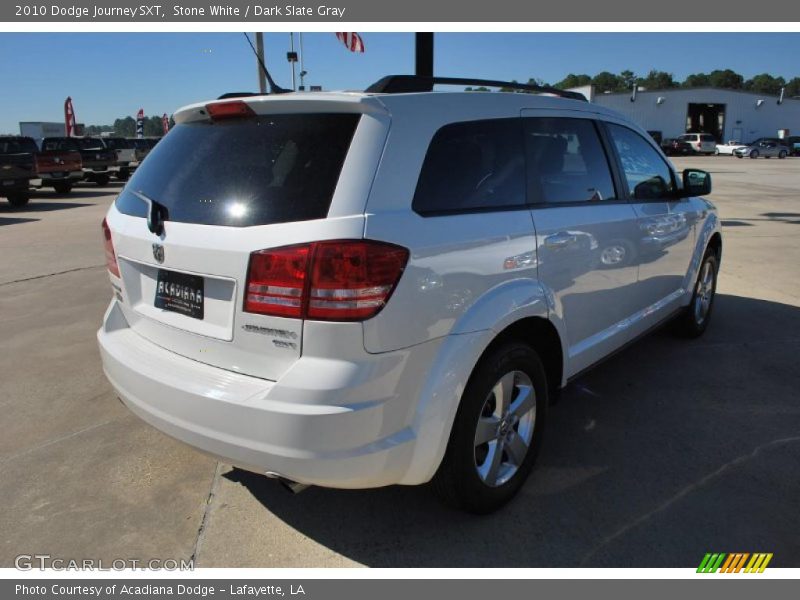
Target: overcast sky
111,75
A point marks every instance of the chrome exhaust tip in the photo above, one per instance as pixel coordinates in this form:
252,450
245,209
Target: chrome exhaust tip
292,486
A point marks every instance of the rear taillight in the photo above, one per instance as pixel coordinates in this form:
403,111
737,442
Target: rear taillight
236,109
348,280
111,257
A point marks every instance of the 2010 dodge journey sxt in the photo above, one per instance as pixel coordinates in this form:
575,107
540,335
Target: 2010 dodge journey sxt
361,289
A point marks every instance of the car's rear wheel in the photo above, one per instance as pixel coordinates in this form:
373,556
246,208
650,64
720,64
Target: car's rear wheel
497,431
18,200
782,154
102,180
62,187
716,151
694,320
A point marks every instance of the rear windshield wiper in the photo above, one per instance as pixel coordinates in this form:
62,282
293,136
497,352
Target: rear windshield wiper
157,213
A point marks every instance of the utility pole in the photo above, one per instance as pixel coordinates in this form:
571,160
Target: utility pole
303,71
262,79
291,56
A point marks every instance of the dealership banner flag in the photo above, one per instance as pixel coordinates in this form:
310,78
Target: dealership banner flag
165,123
352,41
69,117
140,123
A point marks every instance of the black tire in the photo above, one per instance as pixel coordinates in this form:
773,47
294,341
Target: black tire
782,154
693,321
62,187
102,180
754,154
123,175
458,481
18,199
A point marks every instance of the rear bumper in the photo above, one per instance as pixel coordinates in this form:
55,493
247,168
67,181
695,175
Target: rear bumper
63,176
295,427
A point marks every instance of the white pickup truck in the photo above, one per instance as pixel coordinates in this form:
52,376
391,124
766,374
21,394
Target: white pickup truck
729,147
126,155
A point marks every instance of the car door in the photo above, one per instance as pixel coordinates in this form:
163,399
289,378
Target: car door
585,233
666,224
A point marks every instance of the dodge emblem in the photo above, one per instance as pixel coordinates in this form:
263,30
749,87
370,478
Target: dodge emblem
158,253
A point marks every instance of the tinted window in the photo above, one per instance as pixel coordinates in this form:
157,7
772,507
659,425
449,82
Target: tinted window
242,172
647,174
59,144
707,138
17,145
471,166
118,143
89,143
566,162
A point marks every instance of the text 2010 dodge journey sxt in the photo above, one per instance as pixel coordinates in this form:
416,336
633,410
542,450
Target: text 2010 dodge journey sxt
355,290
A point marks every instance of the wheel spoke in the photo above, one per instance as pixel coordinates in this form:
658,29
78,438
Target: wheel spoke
517,449
503,393
487,430
524,403
491,466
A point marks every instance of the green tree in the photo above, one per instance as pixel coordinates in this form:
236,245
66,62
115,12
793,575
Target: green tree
793,87
607,82
627,79
573,81
697,80
657,80
765,84
726,79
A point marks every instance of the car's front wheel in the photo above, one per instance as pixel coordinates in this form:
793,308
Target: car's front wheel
754,154
18,200
497,431
694,320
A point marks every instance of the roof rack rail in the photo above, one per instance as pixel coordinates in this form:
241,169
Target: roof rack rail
237,95
404,84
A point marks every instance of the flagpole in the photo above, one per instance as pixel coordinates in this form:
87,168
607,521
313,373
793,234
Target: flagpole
302,64
262,80
291,60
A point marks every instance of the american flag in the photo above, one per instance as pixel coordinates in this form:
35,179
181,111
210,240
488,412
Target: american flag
69,117
353,41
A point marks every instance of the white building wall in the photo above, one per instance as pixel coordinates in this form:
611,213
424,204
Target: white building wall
743,119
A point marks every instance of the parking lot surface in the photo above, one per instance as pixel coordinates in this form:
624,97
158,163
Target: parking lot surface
668,450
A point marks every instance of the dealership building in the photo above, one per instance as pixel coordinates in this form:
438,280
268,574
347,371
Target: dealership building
726,114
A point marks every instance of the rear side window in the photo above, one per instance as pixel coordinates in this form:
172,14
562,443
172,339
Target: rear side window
51,144
474,165
17,145
244,172
648,176
707,138
566,162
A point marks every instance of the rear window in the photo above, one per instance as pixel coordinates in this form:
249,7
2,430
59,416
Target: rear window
118,143
17,145
707,138
270,169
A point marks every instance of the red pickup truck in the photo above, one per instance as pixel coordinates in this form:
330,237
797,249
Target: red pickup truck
59,169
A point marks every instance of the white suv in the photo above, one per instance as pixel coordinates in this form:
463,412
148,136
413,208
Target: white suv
362,289
701,143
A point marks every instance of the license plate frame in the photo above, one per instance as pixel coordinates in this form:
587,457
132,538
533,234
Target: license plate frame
180,293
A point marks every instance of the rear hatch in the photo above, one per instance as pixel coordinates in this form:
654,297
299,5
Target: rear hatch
226,188
56,163
124,149
95,155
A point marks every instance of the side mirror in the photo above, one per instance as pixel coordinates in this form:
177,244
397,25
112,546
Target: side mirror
696,183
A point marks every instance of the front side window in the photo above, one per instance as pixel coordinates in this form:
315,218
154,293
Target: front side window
474,165
566,162
647,175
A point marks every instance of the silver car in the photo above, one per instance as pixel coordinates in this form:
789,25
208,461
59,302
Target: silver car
766,147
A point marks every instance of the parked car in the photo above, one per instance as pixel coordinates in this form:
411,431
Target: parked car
701,143
763,147
17,169
793,143
126,155
673,147
98,162
378,288
142,147
729,147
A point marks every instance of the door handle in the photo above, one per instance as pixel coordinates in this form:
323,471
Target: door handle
561,239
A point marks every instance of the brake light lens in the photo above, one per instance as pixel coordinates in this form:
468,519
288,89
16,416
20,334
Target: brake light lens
111,257
276,281
236,109
342,280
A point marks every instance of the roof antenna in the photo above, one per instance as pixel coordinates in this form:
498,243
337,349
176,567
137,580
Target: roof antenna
274,88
